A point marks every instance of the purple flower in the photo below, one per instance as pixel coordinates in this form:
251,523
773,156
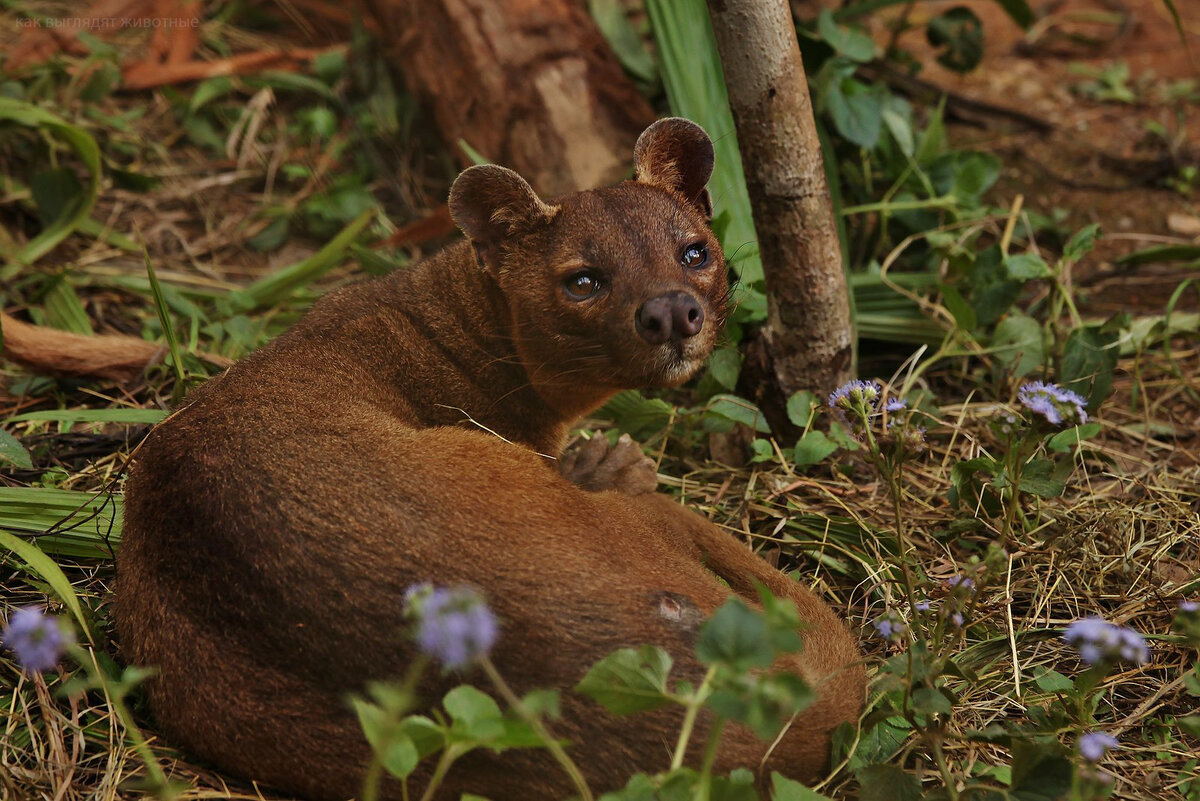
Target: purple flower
896,405
858,397
1094,745
1189,606
890,627
454,625
923,606
1100,641
966,582
35,638
956,620
1057,405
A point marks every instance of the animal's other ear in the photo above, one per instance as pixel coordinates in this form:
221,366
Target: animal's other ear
676,154
490,203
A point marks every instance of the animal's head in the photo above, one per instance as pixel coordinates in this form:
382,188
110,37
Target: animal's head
612,288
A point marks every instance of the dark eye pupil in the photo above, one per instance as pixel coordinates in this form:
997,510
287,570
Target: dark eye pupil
584,284
695,256
581,285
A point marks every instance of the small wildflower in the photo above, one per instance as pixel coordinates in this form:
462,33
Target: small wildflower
1189,606
890,627
860,398
965,582
36,639
1100,641
1057,405
896,405
923,606
957,620
454,625
1094,745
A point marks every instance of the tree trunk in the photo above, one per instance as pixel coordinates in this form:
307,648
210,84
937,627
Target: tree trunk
808,334
531,85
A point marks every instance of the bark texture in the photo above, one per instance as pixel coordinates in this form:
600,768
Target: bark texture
808,333
530,84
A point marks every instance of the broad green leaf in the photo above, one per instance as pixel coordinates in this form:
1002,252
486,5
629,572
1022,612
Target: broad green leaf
636,414
475,714
613,21
857,111
801,407
762,702
725,364
394,748
847,42
1065,441
13,452
1037,479
959,33
1020,344
931,700
735,636
1051,681
784,789
812,448
1081,243
1089,358
887,783
722,412
1040,770
1026,266
629,680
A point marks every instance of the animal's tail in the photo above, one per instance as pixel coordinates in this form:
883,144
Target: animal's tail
48,351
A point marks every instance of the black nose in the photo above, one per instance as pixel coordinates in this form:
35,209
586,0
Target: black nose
673,316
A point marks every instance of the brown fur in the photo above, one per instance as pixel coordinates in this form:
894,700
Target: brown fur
399,434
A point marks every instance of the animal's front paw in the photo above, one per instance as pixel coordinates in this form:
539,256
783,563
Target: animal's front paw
595,466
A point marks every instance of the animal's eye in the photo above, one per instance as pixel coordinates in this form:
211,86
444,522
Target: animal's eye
581,285
694,256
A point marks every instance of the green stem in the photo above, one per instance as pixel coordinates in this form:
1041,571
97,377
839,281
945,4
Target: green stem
943,768
447,759
159,785
370,791
556,750
710,758
689,718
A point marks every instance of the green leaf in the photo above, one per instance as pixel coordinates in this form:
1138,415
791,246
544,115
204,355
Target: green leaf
897,116
13,452
629,680
1081,243
52,574
209,90
394,748
1189,724
931,700
1051,681
64,309
1019,343
53,191
475,714
839,434
1026,267
1036,479
80,208
846,42
812,448
801,407
724,411
1089,358
960,35
762,702
962,312
636,414
613,21
887,783
272,237
725,364
1041,770
735,636
992,292
784,789
91,416
1019,11
1065,441
272,289
857,111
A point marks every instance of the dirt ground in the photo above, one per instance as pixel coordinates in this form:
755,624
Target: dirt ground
1083,151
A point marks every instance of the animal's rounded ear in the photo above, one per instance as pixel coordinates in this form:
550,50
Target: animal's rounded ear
676,154
488,203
